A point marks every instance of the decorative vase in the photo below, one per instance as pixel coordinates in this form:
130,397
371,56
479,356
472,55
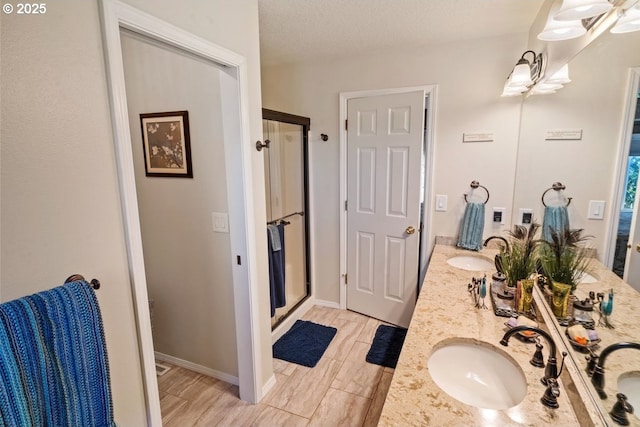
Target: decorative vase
560,299
524,295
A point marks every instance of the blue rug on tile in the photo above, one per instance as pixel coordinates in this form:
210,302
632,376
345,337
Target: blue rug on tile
386,346
304,343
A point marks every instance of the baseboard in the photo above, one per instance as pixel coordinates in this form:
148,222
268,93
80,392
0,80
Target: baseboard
199,368
271,382
329,304
289,321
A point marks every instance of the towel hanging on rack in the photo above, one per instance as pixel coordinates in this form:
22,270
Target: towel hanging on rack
555,218
53,360
472,225
277,270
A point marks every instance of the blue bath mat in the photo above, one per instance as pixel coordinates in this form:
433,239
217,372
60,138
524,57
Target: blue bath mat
304,343
386,346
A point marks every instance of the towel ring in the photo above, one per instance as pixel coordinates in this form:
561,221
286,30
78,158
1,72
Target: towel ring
557,186
474,185
95,283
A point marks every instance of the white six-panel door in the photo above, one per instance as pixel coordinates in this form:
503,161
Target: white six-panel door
384,149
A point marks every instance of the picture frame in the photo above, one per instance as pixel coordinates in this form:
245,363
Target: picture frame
166,144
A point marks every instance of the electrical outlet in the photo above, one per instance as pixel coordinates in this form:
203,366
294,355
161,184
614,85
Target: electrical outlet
526,216
498,215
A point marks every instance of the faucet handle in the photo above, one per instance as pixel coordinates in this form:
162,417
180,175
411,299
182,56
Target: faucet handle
620,409
592,360
564,354
549,399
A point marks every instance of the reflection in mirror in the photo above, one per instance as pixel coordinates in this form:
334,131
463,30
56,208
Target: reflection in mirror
599,105
593,105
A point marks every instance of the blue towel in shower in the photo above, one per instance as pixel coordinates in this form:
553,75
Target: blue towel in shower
276,270
472,227
274,237
53,360
556,218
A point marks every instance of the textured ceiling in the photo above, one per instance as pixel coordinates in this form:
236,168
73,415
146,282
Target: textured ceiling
302,30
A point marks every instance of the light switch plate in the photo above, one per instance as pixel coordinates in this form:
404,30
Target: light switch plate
596,209
220,222
441,202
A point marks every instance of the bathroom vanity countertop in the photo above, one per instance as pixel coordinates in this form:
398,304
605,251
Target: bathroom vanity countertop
626,320
445,310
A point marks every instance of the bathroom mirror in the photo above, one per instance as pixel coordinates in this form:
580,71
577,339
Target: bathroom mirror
592,106
592,110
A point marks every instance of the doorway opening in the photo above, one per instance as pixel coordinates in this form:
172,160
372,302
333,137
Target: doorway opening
116,16
625,228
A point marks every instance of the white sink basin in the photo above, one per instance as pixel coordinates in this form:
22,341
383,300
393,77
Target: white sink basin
629,385
471,263
587,278
478,374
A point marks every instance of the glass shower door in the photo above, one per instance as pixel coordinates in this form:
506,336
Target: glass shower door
285,162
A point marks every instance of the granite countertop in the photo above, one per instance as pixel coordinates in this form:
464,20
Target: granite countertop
626,321
445,310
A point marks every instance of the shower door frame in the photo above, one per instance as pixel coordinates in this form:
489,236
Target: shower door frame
305,122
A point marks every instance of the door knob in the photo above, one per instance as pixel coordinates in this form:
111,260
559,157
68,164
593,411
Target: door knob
638,247
411,230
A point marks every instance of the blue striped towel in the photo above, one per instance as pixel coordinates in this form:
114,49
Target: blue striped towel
555,218
53,361
472,227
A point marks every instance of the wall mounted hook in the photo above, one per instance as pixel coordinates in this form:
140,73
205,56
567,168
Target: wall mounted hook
260,145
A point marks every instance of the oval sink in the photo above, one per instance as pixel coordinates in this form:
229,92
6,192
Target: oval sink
478,374
471,263
629,384
587,278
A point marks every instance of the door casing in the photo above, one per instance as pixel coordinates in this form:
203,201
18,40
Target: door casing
427,241
619,191
114,16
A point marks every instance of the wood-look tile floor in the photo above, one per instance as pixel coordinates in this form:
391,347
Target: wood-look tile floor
341,390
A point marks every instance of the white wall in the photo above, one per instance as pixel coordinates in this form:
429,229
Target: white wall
187,264
470,76
594,102
61,211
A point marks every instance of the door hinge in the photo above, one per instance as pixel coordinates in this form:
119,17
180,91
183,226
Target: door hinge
346,125
345,205
346,282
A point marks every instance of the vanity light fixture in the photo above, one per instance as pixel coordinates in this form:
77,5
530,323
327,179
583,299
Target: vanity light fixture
628,21
572,10
524,74
553,83
555,29
561,76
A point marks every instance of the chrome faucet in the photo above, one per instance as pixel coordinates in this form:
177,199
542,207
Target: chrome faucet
597,379
551,370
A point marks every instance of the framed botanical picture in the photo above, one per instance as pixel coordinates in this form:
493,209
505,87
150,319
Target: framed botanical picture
166,144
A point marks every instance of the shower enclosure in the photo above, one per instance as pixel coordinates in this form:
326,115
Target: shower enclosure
285,165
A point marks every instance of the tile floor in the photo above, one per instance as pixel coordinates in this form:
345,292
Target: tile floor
341,390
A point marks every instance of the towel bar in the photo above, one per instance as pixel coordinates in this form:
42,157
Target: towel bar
286,216
95,283
474,185
556,186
